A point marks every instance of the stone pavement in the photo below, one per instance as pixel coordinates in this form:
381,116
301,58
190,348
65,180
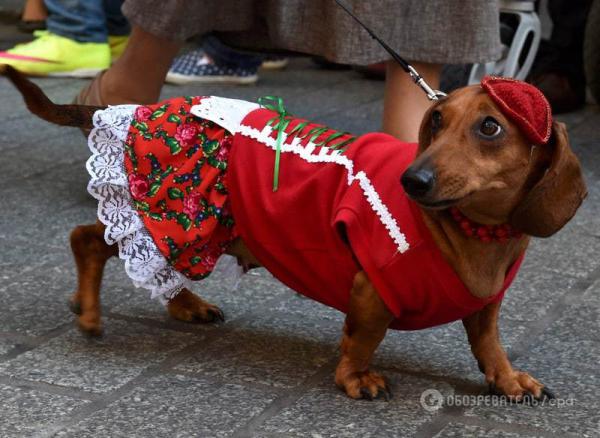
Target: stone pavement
268,370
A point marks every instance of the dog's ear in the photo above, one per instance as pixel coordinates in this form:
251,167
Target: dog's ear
555,198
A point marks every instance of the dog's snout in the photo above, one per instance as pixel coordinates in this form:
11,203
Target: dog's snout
418,182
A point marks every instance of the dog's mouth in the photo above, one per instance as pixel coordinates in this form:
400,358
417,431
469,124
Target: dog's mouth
438,205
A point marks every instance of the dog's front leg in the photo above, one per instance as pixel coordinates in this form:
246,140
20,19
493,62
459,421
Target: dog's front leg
366,323
482,331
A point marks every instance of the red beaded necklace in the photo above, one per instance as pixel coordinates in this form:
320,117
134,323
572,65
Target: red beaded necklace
486,233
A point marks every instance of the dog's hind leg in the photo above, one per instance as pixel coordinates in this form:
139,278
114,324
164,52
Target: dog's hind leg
187,307
482,331
91,253
365,327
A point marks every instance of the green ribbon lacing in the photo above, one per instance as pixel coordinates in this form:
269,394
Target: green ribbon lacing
280,123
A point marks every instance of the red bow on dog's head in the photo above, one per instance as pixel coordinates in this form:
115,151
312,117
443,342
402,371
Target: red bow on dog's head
522,103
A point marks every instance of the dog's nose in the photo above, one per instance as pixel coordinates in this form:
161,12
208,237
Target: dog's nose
418,182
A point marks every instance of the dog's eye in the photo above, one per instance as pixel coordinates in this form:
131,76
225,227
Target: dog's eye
490,127
436,121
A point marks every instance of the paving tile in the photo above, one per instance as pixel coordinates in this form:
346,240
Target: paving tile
98,365
440,351
5,347
577,320
42,298
32,206
272,349
565,357
174,406
43,281
457,430
572,251
326,412
534,292
588,130
26,412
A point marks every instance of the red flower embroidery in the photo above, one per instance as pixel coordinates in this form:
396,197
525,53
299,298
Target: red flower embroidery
186,133
222,154
142,113
138,186
226,142
191,204
209,261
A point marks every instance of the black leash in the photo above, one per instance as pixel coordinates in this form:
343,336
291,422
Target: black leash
416,77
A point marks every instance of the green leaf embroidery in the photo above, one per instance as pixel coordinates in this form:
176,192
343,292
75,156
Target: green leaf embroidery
154,188
217,164
195,260
184,220
173,145
143,126
159,112
155,216
209,147
175,193
142,206
174,118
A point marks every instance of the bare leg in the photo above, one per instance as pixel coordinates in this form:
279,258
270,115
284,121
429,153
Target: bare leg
138,75
366,323
34,10
482,330
91,253
404,103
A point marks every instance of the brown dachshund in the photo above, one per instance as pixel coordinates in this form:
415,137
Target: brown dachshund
491,179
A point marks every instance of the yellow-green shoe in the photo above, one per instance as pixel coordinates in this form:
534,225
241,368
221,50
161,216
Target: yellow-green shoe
117,45
53,55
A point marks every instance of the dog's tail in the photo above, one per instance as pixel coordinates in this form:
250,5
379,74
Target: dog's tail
38,103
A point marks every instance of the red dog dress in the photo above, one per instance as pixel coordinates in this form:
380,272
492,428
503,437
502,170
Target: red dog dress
178,181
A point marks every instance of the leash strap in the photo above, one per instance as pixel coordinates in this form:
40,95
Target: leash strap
414,74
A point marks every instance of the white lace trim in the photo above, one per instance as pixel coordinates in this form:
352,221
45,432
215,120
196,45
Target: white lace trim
327,155
144,263
227,113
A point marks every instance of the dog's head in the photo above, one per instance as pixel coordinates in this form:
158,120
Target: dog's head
475,157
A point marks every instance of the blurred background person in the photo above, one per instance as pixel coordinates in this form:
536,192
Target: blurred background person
82,38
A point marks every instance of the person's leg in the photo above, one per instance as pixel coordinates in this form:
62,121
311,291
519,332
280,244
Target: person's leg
215,62
34,10
138,75
116,23
118,28
404,102
80,20
76,43
33,17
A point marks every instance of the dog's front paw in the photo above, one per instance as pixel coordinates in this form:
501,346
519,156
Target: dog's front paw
365,384
519,386
90,325
188,307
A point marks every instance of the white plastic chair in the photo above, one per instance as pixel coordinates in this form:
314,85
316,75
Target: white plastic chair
524,45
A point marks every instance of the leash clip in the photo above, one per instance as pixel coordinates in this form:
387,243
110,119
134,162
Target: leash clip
418,79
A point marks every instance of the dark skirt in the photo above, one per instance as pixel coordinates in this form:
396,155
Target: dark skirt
441,31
